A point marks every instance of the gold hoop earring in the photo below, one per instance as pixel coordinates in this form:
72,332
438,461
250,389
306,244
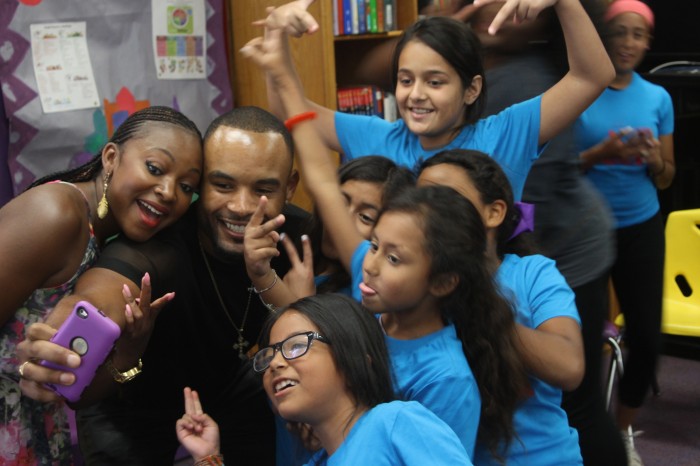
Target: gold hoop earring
103,205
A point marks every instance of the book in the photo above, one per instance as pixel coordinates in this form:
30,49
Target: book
347,16
390,15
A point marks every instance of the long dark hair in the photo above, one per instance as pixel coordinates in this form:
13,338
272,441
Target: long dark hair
131,128
454,41
373,169
456,243
356,341
492,183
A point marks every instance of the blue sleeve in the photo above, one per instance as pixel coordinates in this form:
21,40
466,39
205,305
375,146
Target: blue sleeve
421,438
549,295
358,258
511,137
666,119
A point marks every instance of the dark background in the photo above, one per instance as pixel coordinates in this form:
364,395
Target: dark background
677,38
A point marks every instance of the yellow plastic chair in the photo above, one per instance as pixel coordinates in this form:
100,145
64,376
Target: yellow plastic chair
681,299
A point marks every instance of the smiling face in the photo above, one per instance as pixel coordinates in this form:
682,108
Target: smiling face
310,388
154,175
628,41
430,95
241,166
396,269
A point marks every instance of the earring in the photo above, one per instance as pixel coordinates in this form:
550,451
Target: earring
103,205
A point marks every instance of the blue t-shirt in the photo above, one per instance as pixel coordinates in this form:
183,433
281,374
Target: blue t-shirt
510,137
627,186
395,434
539,293
432,370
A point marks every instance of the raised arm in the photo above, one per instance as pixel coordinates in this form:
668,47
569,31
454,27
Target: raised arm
590,69
318,169
280,73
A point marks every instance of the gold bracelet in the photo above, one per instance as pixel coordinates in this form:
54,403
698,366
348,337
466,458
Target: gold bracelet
663,168
211,460
274,282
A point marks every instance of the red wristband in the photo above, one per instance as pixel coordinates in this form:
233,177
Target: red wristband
291,122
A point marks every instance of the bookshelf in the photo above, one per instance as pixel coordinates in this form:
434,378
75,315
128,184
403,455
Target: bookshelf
324,61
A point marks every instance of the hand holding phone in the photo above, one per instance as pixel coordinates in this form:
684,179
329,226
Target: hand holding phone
89,333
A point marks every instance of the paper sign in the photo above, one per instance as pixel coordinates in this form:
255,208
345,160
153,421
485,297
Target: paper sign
179,38
62,67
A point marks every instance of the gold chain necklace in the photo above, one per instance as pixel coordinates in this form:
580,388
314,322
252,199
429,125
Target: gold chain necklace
241,344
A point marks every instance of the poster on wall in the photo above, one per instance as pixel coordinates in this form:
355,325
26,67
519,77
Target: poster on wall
115,38
179,38
64,76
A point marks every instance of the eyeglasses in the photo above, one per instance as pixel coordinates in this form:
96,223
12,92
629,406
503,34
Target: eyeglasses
291,348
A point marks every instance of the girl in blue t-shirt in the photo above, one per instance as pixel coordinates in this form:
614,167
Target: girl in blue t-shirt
439,85
450,333
550,341
625,139
324,363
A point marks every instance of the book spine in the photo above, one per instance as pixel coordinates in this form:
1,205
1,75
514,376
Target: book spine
372,16
347,16
361,16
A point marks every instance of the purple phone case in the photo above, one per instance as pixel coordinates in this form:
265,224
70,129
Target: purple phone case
92,335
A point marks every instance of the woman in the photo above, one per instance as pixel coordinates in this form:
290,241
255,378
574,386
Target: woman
626,143
141,182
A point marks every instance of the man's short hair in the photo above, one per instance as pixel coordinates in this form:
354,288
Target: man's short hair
255,119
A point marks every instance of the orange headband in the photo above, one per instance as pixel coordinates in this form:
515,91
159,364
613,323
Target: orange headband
629,6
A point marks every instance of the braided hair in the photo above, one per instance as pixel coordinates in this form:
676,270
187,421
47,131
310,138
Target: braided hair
126,131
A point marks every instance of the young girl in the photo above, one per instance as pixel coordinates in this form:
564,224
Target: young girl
438,73
364,183
548,324
626,144
142,181
325,364
424,271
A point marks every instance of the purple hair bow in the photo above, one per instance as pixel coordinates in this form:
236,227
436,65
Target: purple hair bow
527,218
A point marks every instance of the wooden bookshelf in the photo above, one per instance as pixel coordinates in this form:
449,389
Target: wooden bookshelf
324,61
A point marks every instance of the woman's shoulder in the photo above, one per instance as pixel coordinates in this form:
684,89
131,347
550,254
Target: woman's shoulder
649,86
54,207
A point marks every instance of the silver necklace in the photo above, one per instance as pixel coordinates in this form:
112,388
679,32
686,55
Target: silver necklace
241,343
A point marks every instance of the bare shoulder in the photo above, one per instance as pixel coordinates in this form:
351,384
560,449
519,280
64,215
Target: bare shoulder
52,215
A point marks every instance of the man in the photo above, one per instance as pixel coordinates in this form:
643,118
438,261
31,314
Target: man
201,339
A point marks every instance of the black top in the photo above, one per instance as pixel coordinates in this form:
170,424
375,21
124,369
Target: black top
192,342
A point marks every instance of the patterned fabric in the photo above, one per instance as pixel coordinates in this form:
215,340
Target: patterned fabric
32,432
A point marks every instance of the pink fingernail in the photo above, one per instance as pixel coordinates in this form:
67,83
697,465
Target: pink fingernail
147,279
127,291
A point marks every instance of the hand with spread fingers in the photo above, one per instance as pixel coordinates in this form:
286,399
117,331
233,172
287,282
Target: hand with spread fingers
197,431
292,17
300,278
140,315
260,244
517,10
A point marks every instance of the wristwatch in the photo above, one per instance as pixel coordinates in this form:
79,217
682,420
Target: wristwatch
123,377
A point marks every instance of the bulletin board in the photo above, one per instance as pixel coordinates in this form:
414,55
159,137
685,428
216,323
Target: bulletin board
134,60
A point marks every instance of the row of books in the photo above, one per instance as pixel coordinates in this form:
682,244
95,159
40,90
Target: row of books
367,100
363,16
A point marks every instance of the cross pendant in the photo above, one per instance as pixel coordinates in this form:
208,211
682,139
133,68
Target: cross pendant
241,345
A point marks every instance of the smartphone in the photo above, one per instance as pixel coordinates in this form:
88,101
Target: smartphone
90,333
